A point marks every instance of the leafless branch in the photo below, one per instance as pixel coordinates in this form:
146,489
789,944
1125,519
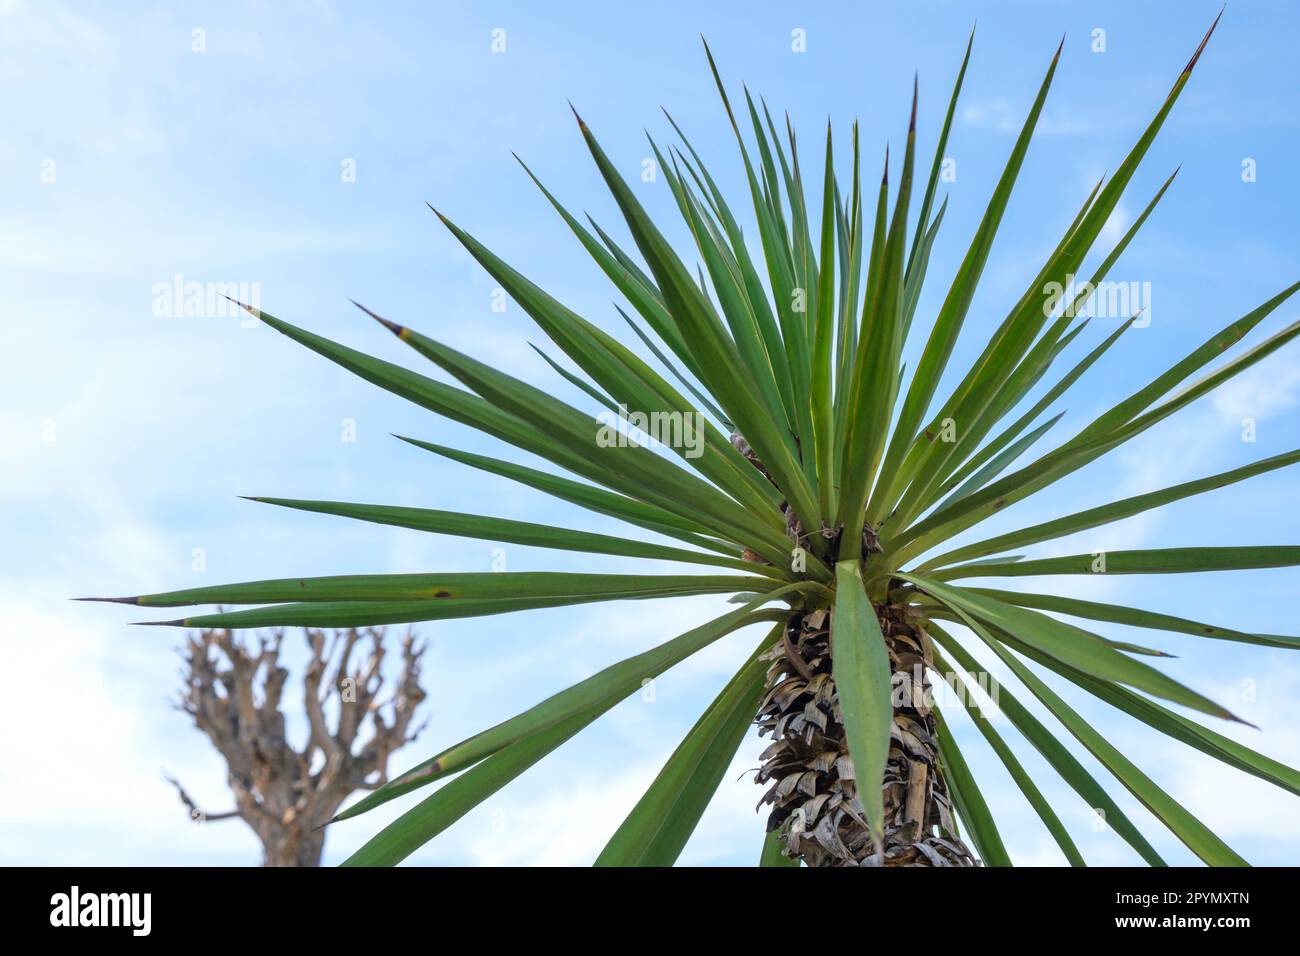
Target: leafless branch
196,812
234,690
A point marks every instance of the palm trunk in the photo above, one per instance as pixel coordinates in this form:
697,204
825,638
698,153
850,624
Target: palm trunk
813,790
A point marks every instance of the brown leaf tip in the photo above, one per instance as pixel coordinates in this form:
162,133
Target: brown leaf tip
116,600
1204,40
393,327
247,308
581,125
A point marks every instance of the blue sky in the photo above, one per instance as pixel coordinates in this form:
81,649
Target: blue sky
131,158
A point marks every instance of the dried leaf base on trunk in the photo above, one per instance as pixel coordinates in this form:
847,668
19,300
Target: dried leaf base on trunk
813,791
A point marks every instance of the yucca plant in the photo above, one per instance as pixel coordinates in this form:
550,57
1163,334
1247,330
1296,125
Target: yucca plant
823,492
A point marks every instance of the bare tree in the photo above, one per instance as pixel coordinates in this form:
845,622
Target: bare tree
234,690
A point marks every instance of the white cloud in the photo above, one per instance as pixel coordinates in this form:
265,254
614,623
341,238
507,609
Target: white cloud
1116,224
59,702
999,115
1270,387
1231,802
558,827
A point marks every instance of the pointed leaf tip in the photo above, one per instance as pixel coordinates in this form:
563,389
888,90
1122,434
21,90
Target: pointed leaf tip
705,43
112,600
391,326
1204,40
581,124
179,622
247,308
